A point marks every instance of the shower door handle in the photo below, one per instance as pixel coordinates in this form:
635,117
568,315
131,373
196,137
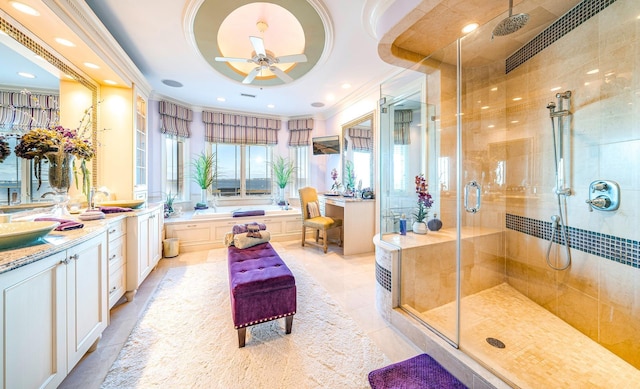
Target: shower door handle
472,185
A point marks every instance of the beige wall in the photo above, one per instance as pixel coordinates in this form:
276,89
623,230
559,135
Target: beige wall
598,296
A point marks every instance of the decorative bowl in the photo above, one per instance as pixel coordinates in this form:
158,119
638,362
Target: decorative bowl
18,234
122,203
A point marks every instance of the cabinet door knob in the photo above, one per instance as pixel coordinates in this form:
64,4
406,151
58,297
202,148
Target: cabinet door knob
74,257
113,257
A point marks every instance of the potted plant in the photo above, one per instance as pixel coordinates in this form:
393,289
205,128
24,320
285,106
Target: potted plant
204,174
168,204
283,170
425,201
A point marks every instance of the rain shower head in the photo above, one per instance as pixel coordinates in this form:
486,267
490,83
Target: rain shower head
510,24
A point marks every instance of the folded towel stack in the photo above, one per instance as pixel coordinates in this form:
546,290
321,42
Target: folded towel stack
114,209
242,228
256,212
65,224
91,214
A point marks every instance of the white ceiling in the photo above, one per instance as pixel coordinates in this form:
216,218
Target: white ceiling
154,35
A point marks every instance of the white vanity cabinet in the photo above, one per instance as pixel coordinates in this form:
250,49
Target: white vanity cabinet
52,312
117,254
143,247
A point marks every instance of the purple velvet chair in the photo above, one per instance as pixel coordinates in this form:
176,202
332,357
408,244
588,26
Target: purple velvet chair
262,288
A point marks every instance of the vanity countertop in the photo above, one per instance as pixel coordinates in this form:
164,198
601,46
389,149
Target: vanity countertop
57,241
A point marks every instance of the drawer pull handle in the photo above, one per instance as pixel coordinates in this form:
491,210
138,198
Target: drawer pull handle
74,257
192,225
112,231
113,289
112,257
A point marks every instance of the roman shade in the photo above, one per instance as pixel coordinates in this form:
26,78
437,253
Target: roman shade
300,132
402,127
361,139
23,111
232,128
175,119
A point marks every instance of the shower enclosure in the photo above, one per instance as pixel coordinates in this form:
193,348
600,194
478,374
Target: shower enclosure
473,118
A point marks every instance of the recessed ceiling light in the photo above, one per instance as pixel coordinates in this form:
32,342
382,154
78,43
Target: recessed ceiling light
469,27
556,88
495,88
65,42
110,82
593,71
172,83
485,107
25,8
221,99
26,75
317,104
491,126
517,98
91,65
515,121
346,85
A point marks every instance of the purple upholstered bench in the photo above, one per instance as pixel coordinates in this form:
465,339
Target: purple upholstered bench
262,288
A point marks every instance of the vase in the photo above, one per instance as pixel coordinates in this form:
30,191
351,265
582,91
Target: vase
60,171
420,228
434,224
202,204
282,201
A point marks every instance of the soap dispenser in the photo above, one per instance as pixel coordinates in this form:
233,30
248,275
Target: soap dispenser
403,224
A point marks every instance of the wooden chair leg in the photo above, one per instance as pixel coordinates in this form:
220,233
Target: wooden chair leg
341,236
288,323
242,332
317,235
304,234
324,240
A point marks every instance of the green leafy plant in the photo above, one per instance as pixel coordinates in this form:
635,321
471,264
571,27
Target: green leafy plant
204,170
283,170
350,176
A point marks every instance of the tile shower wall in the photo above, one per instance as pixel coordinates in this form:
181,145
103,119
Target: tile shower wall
599,61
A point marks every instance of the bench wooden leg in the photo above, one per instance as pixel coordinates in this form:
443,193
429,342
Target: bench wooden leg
288,323
242,332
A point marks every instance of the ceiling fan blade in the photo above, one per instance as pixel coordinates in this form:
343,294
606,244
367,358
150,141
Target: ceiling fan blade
258,45
231,59
292,58
252,74
280,74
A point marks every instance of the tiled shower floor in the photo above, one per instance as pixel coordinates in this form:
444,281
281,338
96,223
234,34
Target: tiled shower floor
542,351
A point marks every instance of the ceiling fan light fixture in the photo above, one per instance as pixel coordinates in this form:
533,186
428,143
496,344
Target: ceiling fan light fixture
262,26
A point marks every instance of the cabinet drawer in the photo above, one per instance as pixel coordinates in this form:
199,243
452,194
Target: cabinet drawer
190,233
117,282
116,253
116,230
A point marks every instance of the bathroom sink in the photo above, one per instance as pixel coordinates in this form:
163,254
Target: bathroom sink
18,234
121,203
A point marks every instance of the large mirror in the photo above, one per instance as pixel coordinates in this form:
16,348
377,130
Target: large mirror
37,89
357,152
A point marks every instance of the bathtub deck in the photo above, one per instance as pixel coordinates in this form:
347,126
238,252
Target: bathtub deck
542,351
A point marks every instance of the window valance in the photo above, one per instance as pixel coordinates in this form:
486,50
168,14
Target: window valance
175,119
240,129
24,111
402,127
300,132
361,139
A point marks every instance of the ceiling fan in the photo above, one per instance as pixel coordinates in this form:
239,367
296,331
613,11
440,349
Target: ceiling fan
265,60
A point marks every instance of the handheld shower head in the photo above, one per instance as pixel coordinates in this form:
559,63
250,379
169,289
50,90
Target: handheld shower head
564,95
551,105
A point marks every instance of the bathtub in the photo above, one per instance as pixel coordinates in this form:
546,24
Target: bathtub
227,212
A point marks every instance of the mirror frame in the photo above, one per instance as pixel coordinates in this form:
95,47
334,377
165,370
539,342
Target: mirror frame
21,37
371,116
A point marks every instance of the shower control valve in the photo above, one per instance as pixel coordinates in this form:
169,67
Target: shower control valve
604,195
600,202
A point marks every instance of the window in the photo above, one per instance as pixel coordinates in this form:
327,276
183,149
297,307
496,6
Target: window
243,170
175,148
300,158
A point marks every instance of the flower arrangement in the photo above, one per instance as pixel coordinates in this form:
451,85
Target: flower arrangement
5,150
336,185
425,201
38,143
350,176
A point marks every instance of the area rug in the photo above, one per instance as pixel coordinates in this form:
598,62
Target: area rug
186,339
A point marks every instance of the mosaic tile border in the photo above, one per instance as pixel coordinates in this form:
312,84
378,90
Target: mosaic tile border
572,19
621,250
383,277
